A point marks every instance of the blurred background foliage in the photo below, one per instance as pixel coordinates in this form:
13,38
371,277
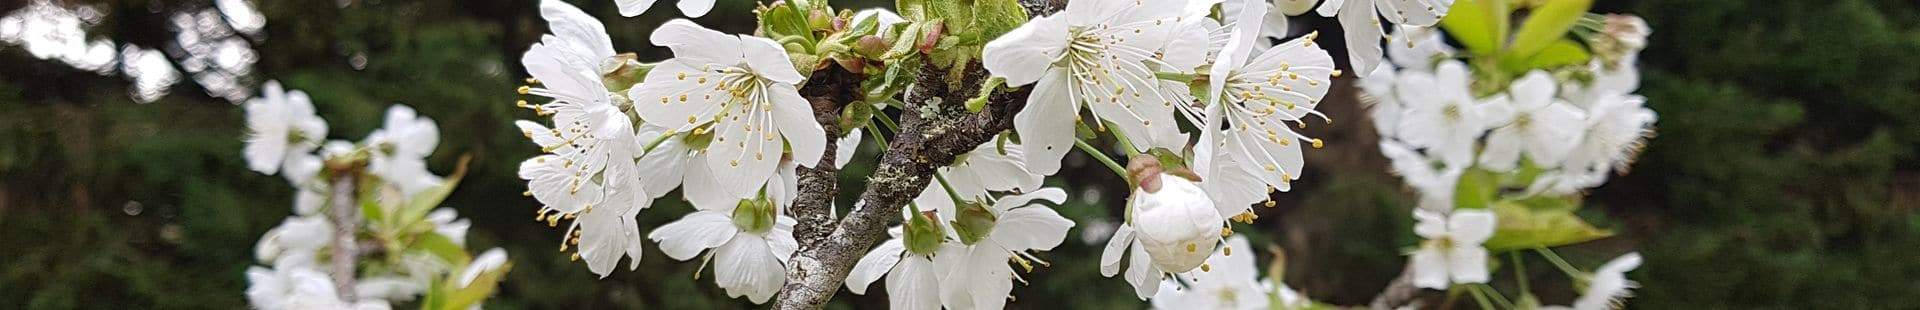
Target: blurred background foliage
1784,174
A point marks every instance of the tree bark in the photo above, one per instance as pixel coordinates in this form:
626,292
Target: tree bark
828,91
934,128
344,214
1398,293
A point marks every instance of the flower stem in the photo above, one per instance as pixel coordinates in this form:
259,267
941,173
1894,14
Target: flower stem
878,137
1557,262
886,121
1519,271
955,195
1102,157
1479,297
1126,145
1497,298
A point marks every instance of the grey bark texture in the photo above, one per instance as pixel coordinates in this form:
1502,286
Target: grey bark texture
344,212
934,128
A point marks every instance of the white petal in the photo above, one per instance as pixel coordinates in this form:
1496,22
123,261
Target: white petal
677,94
695,8
1467,264
1116,247
705,192
1046,126
846,147
666,165
1502,152
991,277
697,43
766,57
1420,13
1471,227
1035,227
606,236
1363,33
698,231
794,115
1429,224
1331,7
1429,269
1533,92
631,8
1142,273
579,30
875,264
747,267
745,153
914,284
1025,54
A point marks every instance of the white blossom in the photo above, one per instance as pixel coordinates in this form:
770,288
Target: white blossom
491,260
750,242
739,89
1418,48
1260,96
1536,124
1452,251
1097,54
400,149
1360,21
913,279
1229,282
1442,114
1609,286
281,125
978,269
1435,185
1617,127
298,289
989,167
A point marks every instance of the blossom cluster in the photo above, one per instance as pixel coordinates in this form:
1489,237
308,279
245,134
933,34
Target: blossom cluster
1481,148
1204,96
418,249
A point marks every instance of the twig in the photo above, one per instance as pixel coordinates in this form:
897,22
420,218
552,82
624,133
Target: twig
345,216
1398,293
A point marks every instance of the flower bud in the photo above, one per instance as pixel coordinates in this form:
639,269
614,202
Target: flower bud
754,215
1177,224
973,222
923,233
871,46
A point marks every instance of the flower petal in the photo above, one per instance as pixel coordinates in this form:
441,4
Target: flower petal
1116,247
1429,269
697,43
1025,54
794,116
875,264
695,8
914,284
1362,28
1046,126
631,8
767,58
746,266
696,232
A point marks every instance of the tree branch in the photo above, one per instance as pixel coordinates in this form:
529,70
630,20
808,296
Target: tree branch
934,128
344,213
1398,293
828,90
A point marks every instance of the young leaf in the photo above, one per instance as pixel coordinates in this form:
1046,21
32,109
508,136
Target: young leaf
1547,24
425,201
1525,227
442,247
1480,25
1475,190
1561,53
991,18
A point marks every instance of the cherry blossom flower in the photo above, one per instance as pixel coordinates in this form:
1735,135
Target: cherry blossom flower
1539,126
750,242
1435,185
990,236
1452,252
989,167
281,126
1172,227
491,260
913,279
1259,96
740,90
1446,119
1096,54
1360,21
1418,48
693,8
1609,287
298,289
590,135
1227,283
1617,127
400,149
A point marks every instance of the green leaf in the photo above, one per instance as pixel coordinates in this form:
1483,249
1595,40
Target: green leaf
1480,25
907,41
1547,24
913,10
1564,52
991,18
783,21
442,247
423,202
1524,227
1475,190
459,298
